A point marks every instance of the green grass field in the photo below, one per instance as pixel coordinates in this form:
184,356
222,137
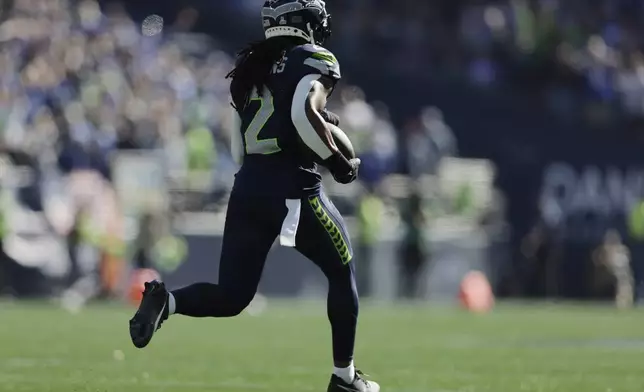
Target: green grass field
410,348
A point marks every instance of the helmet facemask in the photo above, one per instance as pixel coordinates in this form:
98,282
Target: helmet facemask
323,31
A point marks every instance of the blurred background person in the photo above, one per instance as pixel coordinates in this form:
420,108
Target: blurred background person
615,257
414,254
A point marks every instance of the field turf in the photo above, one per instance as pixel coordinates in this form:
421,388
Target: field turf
407,348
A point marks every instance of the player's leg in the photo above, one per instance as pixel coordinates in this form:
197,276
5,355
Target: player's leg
322,237
249,233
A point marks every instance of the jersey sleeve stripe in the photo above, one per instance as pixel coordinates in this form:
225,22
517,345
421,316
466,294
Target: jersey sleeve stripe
325,56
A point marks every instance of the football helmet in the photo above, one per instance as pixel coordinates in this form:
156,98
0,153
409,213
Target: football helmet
307,19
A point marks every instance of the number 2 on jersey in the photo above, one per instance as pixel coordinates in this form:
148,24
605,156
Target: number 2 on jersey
255,145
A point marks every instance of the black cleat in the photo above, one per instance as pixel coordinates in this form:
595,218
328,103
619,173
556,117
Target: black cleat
359,384
153,311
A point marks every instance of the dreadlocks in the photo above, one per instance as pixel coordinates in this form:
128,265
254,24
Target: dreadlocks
254,65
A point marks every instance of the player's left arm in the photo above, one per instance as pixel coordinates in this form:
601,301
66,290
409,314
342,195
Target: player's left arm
236,142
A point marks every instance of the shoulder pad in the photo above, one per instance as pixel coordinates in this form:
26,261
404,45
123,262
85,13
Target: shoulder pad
320,60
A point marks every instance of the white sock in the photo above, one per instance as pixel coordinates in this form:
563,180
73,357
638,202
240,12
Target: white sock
172,305
347,373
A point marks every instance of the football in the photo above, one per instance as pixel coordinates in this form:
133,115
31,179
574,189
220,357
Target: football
342,141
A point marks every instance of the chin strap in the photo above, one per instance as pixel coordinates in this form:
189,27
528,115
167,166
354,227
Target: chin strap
311,35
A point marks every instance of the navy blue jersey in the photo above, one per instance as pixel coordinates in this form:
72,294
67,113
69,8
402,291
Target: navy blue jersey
274,161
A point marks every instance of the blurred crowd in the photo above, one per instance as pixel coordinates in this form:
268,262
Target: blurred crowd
562,52
80,83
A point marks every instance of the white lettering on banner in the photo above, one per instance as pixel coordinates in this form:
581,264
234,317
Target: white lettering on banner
595,198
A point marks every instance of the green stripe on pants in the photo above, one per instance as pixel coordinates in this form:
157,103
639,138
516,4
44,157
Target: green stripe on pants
336,235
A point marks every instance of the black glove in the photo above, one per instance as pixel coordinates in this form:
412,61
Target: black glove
343,170
351,176
330,117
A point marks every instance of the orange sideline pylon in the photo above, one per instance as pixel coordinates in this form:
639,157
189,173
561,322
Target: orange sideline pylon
475,293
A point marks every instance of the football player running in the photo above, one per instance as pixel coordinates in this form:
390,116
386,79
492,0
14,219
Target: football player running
279,89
